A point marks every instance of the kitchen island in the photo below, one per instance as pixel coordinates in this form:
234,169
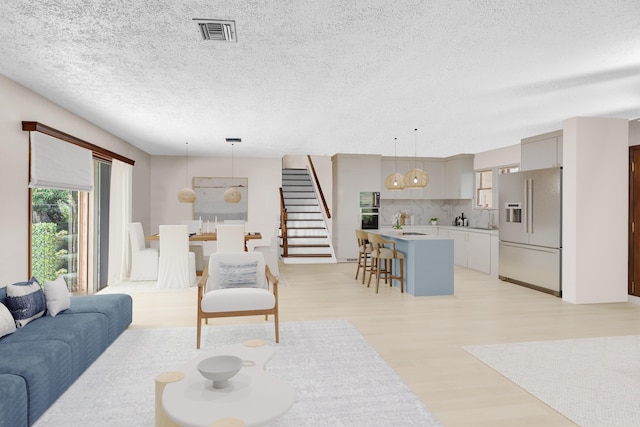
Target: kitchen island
428,261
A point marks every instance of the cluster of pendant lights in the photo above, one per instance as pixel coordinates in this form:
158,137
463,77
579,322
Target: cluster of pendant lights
231,195
414,179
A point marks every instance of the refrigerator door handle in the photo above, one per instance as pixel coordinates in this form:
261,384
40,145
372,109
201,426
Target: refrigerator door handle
525,211
530,206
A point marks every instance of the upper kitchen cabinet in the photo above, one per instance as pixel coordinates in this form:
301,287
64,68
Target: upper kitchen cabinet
436,187
541,151
458,173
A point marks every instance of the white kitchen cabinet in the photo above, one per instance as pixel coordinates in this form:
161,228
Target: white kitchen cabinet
479,252
541,151
459,177
436,187
471,249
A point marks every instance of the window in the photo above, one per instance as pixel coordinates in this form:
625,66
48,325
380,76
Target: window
486,191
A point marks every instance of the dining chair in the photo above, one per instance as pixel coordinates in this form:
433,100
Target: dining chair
237,284
197,248
364,253
177,266
230,238
144,261
272,253
383,257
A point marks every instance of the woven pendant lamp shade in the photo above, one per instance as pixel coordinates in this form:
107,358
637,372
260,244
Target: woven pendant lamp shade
186,195
416,178
232,195
394,182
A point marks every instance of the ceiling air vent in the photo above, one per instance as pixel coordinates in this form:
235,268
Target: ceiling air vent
217,29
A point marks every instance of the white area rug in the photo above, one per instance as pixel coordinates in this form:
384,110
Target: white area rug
592,381
339,380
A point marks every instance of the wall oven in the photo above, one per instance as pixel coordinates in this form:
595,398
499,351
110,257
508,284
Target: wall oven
369,218
369,205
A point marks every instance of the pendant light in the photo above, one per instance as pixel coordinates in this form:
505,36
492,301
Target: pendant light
416,178
232,195
394,182
187,195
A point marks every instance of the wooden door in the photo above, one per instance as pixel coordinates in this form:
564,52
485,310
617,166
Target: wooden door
634,220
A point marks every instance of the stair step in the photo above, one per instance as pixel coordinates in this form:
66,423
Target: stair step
319,245
310,236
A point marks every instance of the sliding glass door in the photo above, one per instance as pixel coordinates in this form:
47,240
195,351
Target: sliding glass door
58,236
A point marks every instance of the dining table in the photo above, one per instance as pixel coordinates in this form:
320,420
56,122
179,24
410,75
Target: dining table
206,237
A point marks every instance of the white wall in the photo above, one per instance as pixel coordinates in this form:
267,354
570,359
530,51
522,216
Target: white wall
18,104
265,178
504,156
595,186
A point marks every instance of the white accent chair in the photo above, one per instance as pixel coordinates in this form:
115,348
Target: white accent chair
227,289
230,238
144,261
177,267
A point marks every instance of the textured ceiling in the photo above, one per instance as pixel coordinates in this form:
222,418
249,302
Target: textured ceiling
321,77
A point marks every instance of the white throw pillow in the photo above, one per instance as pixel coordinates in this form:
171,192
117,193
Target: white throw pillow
57,295
7,324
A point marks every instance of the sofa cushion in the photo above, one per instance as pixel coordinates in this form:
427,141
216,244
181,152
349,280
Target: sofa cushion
3,295
26,301
13,401
7,324
45,367
84,334
57,295
117,309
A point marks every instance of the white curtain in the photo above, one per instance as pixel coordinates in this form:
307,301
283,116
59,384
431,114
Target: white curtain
119,219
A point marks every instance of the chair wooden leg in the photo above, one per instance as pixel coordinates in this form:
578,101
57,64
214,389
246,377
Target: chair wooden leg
359,265
401,276
275,321
377,275
374,261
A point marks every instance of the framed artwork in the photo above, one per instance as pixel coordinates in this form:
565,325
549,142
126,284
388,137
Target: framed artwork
210,204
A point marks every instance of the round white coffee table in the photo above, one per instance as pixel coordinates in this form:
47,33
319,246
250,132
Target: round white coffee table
253,395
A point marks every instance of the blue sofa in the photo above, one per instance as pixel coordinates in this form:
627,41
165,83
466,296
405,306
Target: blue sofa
41,360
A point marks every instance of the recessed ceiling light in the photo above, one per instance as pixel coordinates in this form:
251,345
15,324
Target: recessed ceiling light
217,29
233,140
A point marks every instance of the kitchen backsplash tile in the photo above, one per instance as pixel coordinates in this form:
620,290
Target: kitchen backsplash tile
420,211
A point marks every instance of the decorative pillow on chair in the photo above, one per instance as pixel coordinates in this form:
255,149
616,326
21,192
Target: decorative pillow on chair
26,301
57,296
7,324
234,275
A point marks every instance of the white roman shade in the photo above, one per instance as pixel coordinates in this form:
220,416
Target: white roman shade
60,164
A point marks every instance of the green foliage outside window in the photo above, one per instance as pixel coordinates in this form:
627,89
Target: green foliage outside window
44,242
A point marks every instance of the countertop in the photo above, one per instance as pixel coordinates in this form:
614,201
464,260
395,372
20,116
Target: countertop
431,231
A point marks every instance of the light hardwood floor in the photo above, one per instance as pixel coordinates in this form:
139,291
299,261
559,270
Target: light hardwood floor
422,337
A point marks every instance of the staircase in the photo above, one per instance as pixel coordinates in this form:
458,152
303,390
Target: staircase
308,239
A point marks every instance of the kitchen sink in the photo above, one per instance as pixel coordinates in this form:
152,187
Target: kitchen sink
413,233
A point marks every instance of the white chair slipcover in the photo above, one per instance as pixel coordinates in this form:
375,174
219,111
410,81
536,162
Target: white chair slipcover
144,261
271,253
230,238
177,266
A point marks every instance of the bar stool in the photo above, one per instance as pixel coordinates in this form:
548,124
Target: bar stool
382,258
364,253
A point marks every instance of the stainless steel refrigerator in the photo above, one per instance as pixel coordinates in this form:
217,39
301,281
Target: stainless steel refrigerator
531,229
